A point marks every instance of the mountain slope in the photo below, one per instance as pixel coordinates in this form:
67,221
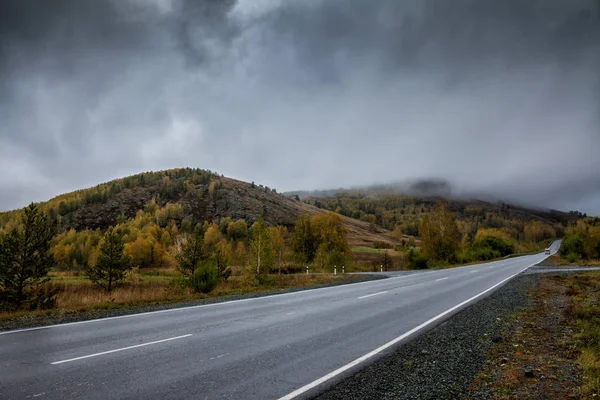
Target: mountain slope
203,196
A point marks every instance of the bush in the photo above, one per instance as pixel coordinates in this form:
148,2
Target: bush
572,245
205,278
502,246
572,257
416,260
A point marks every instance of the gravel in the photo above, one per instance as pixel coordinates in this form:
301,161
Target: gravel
442,363
30,321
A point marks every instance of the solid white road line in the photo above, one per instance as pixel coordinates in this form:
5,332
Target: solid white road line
389,344
117,350
373,294
441,279
299,292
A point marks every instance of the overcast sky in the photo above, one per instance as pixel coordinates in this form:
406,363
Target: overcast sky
500,97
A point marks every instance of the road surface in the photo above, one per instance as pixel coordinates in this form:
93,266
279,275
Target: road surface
276,347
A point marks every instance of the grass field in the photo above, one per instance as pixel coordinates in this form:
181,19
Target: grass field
154,287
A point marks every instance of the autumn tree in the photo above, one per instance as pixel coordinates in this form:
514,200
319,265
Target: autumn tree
222,257
440,237
25,259
331,236
112,263
191,252
277,234
261,249
237,230
304,241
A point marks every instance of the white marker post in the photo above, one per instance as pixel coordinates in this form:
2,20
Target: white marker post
334,270
307,270
382,268
343,269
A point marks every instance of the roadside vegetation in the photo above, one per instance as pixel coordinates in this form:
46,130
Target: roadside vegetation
158,256
553,348
145,238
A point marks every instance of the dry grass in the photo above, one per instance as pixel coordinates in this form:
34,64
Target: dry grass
78,294
558,338
557,261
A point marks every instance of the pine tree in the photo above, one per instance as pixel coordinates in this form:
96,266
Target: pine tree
25,258
112,263
192,252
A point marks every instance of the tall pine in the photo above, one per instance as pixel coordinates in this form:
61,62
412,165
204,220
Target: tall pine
25,258
112,263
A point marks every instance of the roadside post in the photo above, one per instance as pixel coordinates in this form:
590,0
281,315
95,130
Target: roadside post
307,270
334,270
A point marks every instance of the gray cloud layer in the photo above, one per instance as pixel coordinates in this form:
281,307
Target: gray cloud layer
500,97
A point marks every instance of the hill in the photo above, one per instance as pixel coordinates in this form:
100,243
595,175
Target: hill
202,196
400,208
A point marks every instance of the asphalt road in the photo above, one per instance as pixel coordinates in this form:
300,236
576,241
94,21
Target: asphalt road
283,346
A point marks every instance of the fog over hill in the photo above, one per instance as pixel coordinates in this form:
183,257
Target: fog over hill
496,97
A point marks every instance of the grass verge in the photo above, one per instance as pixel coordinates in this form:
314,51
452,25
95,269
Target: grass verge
554,346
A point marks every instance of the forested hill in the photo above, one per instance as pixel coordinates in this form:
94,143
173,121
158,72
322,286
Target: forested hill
183,195
384,207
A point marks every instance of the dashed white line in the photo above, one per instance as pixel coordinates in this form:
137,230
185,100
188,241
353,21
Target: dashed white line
121,349
472,272
373,294
389,344
441,279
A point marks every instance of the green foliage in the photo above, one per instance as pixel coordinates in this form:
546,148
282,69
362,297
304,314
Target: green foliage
262,253
582,240
25,259
304,240
237,230
439,234
221,261
192,252
112,264
205,278
416,260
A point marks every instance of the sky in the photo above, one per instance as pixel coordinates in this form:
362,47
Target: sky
495,97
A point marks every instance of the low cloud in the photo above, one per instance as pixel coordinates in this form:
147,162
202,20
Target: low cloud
495,97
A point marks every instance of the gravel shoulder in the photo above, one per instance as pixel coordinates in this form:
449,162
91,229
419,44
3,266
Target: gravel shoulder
60,317
442,363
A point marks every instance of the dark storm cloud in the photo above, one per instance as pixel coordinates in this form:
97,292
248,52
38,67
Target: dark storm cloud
500,97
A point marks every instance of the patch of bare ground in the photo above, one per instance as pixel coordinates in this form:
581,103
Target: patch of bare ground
545,350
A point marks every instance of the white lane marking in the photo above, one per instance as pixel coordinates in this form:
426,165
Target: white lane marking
122,349
289,313
472,272
441,279
37,328
373,294
389,344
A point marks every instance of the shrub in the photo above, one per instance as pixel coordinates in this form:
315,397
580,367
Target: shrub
205,278
502,246
572,245
416,260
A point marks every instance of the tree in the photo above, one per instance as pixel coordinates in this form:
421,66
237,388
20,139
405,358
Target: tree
26,258
261,249
277,238
112,263
304,241
331,234
191,252
439,234
222,257
205,278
